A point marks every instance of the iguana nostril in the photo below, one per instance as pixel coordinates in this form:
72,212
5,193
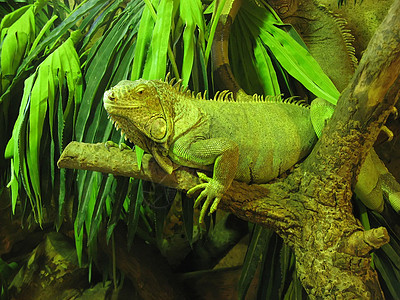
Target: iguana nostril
109,95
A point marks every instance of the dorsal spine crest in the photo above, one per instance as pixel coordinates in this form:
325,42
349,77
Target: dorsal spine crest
228,96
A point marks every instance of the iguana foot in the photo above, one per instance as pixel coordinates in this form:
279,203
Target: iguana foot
212,192
121,146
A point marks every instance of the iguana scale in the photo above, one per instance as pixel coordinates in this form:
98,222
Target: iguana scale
252,142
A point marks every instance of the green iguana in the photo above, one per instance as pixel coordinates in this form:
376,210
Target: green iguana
252,142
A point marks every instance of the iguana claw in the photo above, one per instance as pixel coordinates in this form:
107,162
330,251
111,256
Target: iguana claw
213,191
121,146
110,144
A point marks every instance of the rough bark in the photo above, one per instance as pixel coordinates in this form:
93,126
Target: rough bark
311,208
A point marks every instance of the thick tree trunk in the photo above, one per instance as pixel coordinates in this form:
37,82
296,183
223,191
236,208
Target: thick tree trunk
311,208
336,244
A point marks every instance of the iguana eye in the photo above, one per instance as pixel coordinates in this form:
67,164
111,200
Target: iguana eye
140,90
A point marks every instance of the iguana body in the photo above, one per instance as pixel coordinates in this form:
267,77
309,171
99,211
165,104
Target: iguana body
252,142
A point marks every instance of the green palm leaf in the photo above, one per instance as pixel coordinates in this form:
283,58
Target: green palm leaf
265,29
258,245
59,71
18,30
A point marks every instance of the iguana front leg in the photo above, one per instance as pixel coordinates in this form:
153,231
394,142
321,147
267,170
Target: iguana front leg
220,154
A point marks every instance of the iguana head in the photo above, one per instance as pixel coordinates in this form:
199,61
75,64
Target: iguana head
136,108
136,105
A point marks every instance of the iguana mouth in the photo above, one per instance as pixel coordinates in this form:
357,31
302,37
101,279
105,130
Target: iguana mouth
108,105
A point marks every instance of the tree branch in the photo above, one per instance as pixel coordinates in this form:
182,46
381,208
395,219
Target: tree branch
241,199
